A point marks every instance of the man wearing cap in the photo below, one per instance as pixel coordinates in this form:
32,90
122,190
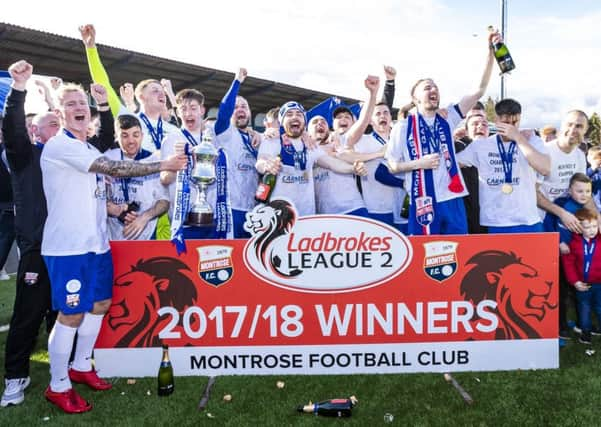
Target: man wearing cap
290,158
328,184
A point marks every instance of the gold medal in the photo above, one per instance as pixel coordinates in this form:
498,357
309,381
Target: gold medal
507,188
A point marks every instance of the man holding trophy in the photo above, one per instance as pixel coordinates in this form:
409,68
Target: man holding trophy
193,197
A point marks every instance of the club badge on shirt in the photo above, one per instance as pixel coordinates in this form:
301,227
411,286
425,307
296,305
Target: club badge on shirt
31,278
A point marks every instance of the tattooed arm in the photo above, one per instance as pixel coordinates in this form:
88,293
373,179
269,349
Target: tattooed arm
119,169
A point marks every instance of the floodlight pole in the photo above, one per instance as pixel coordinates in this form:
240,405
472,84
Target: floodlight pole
504,35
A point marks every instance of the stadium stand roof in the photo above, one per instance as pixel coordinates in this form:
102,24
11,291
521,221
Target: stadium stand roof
64,57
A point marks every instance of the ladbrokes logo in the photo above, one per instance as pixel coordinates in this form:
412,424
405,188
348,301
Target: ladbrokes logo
323,253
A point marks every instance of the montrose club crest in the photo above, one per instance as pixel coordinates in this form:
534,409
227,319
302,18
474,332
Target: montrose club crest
321,253
440,261
215,265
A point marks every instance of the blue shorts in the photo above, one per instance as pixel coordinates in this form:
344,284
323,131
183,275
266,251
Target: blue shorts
453,219
239,217
362,212
534,228
78,281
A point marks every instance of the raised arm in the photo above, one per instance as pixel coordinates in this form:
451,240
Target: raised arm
105,140
14,130
340,166
372,83
468,101
389,86
97,70
228,103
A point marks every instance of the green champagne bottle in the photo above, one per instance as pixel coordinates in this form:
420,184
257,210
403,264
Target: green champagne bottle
265,188
502,55
405,207
165,378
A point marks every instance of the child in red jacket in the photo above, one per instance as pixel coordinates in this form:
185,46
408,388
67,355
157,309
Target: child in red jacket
583,270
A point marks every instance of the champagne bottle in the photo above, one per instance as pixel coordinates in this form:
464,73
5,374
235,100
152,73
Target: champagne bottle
265,188
405,207
502,55
165,377
330,408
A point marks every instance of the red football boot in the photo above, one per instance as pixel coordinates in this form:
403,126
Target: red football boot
90,378
69,401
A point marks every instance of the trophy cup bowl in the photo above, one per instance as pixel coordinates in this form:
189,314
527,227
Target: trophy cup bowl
202,175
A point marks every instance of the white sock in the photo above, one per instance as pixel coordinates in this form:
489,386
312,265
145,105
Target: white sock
60,343
86,338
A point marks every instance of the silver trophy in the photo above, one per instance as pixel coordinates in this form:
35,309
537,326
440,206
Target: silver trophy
203,175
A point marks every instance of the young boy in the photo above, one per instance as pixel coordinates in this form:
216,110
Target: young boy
582,267
579,194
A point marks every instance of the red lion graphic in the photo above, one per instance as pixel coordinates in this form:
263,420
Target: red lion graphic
266,223
523,297
149,285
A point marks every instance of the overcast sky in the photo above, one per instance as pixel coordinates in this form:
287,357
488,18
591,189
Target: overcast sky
331,45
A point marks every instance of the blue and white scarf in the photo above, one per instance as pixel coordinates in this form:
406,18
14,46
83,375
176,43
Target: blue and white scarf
421,140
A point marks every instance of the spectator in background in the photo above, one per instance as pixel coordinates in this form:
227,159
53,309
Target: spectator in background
271,119
548,133
476,127
593,157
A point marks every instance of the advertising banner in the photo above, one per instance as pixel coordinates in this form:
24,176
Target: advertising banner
332,294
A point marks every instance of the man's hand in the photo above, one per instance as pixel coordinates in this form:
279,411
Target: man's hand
359,168
134,227
55,82
570,222
20,72
389,72
99,93
508,131
255,138
459,133
271,133
372,83
273,166
126,90
174,163
429,161
242,74
88,35
308,140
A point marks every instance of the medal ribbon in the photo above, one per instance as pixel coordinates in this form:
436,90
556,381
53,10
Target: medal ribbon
589,250
506,158
155,134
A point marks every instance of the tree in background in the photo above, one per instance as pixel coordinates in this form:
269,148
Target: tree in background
489,108
594,130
